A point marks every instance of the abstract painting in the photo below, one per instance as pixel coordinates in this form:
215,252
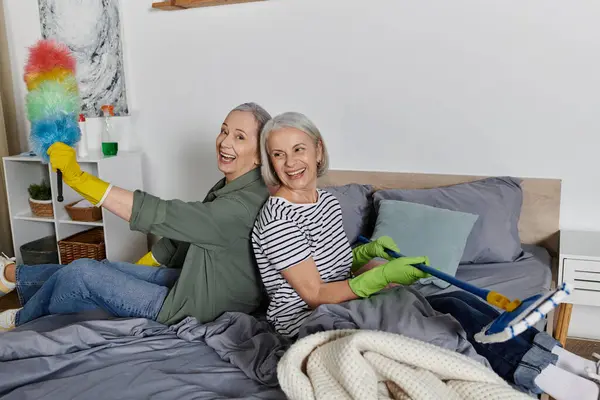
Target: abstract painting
92,30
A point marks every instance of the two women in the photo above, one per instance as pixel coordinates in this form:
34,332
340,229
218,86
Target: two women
305,260
298,239
205,246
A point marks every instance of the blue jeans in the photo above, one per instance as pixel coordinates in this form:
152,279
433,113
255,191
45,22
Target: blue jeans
121,289
519,360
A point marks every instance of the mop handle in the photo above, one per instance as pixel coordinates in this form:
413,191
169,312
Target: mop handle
483,293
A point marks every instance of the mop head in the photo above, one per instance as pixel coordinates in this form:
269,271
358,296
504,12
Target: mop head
53,103
530,312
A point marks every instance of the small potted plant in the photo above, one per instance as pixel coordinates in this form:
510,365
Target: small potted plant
40,200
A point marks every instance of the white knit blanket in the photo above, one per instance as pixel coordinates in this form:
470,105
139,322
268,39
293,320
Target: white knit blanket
363,365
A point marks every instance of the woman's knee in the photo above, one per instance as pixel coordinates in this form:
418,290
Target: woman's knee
458,297
83,262
447,304
461,295
82,268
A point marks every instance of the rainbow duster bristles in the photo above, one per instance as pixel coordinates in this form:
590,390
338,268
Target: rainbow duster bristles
53,102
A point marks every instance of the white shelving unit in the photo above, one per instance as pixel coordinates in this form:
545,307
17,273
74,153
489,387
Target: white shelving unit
123,170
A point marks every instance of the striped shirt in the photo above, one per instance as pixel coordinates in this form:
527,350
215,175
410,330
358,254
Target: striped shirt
286,234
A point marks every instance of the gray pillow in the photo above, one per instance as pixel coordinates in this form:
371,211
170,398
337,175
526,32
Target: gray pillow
497,201
356,202
421,230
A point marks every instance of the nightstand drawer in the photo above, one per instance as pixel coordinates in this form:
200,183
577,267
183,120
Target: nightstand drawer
585,277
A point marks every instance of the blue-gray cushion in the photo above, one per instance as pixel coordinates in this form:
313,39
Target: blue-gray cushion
497,201
421,230
357,205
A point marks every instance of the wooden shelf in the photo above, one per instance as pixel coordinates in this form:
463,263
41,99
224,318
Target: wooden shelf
166,6
172,5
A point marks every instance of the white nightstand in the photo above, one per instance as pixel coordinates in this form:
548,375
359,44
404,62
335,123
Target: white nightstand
579,265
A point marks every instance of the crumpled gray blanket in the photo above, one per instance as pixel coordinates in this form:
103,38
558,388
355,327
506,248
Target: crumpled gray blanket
133,359
400,310
75,357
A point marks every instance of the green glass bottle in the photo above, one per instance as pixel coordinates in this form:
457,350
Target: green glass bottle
110,147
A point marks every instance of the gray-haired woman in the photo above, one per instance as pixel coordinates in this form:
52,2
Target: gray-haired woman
207,244
302,251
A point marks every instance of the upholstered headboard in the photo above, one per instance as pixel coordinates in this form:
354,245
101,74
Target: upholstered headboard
539,221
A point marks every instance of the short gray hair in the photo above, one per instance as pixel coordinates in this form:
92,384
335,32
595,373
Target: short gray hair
260,114
289,120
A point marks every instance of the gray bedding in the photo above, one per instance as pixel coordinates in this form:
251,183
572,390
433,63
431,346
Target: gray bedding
527,276
67,357
91,356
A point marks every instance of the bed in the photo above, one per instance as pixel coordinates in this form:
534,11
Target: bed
95,356
538,229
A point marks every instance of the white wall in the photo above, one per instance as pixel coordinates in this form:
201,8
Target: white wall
465,87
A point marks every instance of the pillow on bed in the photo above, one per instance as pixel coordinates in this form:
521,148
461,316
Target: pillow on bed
497,201
357,203
421,230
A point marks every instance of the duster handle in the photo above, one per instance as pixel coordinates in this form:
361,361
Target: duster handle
59,185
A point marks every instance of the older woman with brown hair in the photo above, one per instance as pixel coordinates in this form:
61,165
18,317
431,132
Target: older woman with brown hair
205,247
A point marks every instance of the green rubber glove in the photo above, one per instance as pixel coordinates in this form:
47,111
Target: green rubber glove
364,253
399,270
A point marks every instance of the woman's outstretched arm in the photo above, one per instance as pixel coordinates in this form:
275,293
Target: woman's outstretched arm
119,202
208,224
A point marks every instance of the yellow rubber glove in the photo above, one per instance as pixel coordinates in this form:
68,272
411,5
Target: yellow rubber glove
148,260
63,157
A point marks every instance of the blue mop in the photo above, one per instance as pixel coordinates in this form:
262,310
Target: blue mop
518,316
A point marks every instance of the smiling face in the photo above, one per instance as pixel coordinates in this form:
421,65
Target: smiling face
294,156
237,145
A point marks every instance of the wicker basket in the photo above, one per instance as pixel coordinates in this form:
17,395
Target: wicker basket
41,208
87,214
86,244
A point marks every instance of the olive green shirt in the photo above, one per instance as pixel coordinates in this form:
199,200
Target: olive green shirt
210,241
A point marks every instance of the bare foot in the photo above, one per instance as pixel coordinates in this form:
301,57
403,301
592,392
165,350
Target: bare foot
10,272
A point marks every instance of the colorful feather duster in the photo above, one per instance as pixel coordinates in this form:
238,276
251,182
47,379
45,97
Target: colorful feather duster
53,102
